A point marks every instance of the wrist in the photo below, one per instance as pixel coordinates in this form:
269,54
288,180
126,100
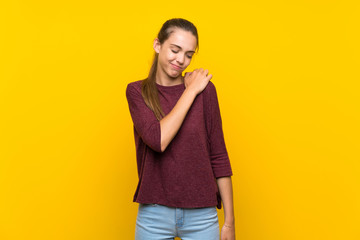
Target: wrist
229,222
191,91
230,226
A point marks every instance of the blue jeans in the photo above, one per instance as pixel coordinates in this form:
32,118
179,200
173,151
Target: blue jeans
158,222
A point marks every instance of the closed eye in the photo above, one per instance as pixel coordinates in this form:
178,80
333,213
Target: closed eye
177,52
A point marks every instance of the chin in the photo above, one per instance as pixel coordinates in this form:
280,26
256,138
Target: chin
174,74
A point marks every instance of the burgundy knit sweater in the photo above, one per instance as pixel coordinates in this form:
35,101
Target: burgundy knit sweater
184,175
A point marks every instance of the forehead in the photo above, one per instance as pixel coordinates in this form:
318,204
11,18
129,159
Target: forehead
184,39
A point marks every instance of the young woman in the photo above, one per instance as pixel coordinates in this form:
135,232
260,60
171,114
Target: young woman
183,165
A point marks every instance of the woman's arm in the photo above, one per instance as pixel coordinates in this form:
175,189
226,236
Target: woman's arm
226,193
171,123
195,82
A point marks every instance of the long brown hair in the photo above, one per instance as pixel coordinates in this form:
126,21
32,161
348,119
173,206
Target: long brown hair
148,87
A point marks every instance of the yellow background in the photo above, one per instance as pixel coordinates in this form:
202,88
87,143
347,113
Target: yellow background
287,77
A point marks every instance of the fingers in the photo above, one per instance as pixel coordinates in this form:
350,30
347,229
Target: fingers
206,72
201,71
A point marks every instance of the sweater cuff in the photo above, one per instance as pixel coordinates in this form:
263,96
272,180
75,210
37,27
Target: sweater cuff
222,172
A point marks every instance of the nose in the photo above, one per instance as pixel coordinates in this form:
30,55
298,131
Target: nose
181,58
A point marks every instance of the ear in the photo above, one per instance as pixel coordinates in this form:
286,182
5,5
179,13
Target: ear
156,45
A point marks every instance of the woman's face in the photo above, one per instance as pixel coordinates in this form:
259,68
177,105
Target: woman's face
176,52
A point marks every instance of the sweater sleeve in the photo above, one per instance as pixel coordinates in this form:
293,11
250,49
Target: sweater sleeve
145,122
218,153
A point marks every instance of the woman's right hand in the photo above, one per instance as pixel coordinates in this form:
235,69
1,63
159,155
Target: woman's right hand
197,80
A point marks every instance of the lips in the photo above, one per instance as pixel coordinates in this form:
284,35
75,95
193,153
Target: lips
175,66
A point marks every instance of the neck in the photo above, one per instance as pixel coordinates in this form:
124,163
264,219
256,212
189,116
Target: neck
164,80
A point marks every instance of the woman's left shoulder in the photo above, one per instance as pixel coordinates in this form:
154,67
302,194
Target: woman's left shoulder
210,88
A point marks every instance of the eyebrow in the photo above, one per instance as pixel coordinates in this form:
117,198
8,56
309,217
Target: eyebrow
180,47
